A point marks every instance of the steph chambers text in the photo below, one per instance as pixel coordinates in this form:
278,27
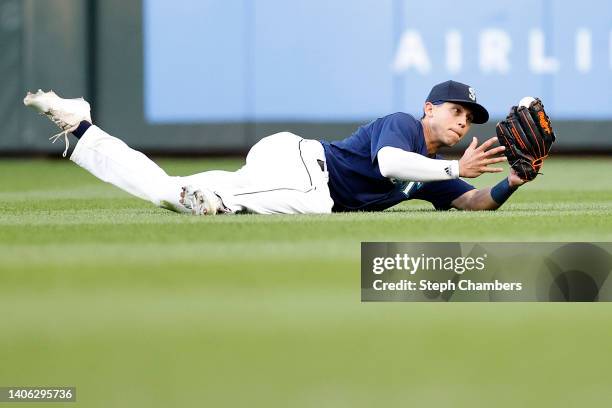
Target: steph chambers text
462,285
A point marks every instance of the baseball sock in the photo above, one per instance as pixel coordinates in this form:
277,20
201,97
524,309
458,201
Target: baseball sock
80,131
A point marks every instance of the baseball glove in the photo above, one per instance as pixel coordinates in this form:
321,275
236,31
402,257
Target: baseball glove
527,135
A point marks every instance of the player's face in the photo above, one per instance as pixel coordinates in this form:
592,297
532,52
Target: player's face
450,122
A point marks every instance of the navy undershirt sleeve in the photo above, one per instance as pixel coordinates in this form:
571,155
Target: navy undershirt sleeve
442,193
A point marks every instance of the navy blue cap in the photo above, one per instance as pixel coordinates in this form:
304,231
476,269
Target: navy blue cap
451,91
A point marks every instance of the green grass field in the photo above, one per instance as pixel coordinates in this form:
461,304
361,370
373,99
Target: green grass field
141,307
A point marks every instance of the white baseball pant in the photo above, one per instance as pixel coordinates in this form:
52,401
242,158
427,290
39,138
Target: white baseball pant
283,174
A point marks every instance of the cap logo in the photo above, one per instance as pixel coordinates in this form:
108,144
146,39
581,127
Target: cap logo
472,93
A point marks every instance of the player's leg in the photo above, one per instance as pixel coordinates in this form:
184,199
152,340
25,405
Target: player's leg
227,180
111,160
278,201
107,157
284,174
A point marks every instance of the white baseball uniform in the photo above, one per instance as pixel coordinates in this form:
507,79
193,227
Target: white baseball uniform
283,174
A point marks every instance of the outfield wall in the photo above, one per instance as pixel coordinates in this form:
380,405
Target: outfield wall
214,77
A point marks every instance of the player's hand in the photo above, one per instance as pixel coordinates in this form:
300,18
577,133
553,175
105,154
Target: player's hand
514,180
476,160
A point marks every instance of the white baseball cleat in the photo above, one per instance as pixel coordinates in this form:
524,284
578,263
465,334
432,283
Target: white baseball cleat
201,202
65,113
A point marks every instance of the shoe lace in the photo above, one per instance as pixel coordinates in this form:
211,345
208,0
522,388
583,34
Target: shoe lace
64,133
54,139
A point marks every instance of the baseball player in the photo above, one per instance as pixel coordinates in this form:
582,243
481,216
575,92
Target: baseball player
387,161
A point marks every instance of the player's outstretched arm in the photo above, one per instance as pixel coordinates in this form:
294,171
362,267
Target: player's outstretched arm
395,163
490,198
